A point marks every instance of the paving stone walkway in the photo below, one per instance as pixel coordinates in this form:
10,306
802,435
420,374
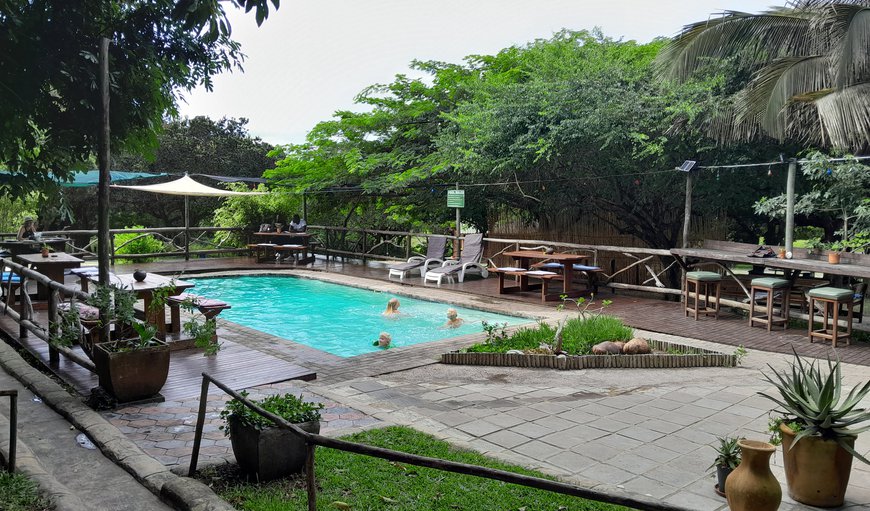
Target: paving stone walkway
645,431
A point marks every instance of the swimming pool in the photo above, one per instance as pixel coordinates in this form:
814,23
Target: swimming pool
341,320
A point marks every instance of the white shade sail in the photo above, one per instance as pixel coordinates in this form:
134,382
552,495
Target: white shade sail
186,186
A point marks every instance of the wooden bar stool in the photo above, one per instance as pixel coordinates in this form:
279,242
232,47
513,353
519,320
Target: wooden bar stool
771,286
831,298
711,281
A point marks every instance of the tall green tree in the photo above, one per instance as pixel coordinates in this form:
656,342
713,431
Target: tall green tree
197,146
810,65
50,115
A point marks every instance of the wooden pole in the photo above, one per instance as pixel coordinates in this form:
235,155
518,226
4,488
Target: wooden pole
103,242
456,249
186,228
687,217
789,205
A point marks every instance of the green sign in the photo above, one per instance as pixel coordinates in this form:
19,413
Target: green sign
455,198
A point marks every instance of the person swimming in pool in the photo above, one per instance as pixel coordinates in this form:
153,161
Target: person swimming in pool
392,307
453,319
383,341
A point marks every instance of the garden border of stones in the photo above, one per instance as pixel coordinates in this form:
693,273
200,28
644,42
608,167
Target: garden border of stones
691,357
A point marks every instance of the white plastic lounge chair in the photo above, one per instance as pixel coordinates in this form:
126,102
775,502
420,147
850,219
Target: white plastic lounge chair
434,257
468,263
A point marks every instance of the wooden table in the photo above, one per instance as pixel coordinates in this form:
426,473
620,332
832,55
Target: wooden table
52,267
145,291
792,267
16,247
277,238
525,258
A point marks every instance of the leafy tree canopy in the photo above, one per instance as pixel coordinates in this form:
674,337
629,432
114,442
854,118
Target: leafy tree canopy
574,123
50,113
197,146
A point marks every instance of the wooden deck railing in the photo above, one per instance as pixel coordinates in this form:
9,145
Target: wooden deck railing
630,268
26,323
313,440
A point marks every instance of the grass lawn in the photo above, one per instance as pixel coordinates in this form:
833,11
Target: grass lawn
17,493
353,482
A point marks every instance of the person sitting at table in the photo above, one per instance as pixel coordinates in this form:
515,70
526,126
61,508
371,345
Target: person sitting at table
28,230
297,224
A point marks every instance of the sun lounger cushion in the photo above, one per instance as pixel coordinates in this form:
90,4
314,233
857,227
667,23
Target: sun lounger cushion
9,276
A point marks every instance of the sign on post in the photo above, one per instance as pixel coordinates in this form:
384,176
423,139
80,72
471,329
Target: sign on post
455,198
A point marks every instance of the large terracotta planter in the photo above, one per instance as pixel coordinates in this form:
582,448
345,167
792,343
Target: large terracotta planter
270,453
752,486
132,375
817,470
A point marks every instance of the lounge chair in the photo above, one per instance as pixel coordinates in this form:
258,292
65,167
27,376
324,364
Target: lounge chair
468,263
434,257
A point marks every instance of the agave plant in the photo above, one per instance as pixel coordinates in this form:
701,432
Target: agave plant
727,454
812,398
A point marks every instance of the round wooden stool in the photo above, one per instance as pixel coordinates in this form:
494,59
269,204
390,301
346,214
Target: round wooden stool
771,287
831,298
710,281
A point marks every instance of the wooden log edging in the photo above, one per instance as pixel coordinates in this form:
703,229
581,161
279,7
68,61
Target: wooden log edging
689,356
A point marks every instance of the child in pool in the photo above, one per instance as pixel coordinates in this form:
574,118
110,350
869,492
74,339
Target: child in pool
383,341
453,319
392,307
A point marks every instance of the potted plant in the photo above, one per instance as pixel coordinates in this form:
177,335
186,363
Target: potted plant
263,449
834,250
132,365
817,428
727,459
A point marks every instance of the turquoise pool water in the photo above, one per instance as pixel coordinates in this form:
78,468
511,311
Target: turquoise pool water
341,320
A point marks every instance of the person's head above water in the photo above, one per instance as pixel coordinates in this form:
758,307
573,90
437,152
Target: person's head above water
392,306
452,314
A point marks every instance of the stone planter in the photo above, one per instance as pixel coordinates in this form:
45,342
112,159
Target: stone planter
692,357
270,453
817,471
134,374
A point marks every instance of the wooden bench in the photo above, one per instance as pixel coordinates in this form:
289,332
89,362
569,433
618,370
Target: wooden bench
208,307
523,284
295,250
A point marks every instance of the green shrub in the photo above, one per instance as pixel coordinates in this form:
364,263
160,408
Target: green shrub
289,407
578,336
137,243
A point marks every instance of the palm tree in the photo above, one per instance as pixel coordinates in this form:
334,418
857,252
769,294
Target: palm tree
810,65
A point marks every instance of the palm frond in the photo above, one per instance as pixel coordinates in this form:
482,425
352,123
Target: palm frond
778,85
845,116
777,31
850,27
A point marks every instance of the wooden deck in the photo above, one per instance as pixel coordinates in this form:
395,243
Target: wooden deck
646,313
236,365
241,367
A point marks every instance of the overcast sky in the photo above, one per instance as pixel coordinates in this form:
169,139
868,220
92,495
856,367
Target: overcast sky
311,57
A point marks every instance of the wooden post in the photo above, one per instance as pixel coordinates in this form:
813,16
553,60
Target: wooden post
456,246
789,205
309,478
687,216
186,228
200,419
53,327
104,241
